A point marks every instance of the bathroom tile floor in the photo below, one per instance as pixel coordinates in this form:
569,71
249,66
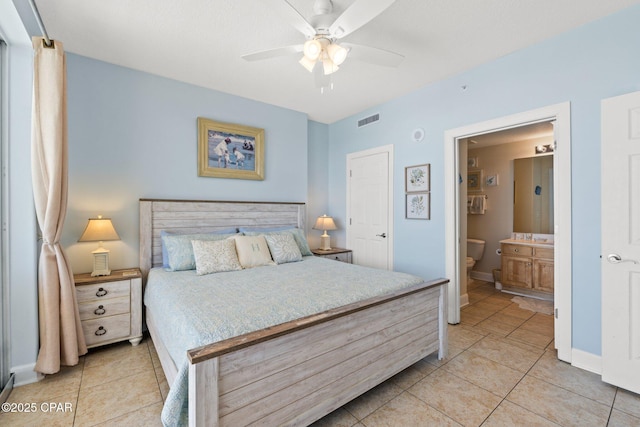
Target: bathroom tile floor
501,370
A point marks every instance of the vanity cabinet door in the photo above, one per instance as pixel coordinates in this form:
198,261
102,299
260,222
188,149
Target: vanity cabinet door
543,275
516,271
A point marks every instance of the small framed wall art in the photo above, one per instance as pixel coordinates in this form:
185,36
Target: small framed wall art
474,180
417,178
492,180
418,206
228,150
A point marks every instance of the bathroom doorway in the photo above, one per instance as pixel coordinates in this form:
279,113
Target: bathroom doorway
456,165
507,192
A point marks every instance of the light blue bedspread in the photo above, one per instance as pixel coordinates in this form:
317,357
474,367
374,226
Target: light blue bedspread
190,311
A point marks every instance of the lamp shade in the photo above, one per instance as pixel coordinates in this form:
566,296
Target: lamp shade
312,49
337,53
98,230
308,63
324,223
328,66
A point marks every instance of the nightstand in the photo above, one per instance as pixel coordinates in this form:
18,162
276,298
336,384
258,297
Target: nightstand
338,254
110,307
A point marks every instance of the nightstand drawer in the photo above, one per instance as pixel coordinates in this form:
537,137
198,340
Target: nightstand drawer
105,290
335,254
106,329
344,257
104,308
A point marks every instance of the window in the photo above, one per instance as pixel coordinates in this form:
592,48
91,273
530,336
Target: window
4,312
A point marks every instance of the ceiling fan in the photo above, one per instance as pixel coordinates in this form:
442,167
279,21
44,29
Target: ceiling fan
322,36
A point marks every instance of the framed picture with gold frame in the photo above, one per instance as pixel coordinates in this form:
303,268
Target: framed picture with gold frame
227,150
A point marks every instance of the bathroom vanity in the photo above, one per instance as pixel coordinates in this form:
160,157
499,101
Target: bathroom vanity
527,265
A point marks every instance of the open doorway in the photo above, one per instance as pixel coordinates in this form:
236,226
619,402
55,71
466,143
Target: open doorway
506,199
455,239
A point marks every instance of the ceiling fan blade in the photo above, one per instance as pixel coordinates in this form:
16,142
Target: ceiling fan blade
293,17
373,55
272,53
356,15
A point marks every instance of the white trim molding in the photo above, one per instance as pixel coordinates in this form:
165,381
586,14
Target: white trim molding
561,115
587,361
25,374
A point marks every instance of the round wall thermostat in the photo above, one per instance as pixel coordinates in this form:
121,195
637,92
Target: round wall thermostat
418,134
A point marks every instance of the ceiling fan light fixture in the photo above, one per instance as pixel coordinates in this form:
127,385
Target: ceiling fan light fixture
308,63
312,49
337,53
329,66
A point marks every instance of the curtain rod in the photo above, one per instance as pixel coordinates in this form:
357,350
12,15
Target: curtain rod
43,30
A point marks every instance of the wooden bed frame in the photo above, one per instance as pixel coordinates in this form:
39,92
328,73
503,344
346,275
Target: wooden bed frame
297,372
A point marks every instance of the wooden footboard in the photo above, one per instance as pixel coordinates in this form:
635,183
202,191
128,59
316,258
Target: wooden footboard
295,373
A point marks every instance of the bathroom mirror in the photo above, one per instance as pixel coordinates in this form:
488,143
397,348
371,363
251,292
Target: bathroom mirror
533,195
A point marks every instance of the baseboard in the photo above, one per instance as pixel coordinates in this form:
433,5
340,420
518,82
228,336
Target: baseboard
464,300
6,391
24,374
481,275
587,361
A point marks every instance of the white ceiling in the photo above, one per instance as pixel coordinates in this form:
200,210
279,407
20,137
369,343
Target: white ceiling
515,134
200,42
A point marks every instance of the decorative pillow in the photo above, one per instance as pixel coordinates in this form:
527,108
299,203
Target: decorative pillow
214,256
165,254
283,248
253,251
180,251
298,235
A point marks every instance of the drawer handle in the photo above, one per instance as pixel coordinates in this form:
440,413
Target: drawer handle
101,292
100,310
337,257
516,250
101,331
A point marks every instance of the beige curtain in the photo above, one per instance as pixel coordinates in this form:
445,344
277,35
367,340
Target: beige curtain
61,338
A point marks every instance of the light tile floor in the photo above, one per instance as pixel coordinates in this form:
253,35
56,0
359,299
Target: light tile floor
502,370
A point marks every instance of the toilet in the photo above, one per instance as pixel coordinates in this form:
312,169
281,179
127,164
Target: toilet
475,250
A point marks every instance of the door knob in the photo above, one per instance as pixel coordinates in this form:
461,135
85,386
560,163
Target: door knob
383,235
617,259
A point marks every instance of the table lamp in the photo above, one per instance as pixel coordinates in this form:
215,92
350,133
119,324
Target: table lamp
98,230
325,223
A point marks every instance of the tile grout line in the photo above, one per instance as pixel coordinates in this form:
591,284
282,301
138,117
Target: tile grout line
612,405
75,412
519,381
135,410
513,388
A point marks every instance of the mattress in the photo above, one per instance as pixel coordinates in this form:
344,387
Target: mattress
190,311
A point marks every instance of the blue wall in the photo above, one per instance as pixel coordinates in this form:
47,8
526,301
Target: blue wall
133,135
318,174
596,61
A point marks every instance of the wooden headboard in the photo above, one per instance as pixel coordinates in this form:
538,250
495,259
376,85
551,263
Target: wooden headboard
194,216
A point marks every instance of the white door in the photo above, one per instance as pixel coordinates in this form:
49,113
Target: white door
369,215
620,151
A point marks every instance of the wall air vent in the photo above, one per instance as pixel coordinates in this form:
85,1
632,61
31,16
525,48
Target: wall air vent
368,120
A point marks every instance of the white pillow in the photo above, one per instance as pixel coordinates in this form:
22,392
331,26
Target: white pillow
214,256
253,251
283,248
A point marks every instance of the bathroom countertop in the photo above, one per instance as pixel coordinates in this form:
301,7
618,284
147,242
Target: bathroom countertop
533,243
